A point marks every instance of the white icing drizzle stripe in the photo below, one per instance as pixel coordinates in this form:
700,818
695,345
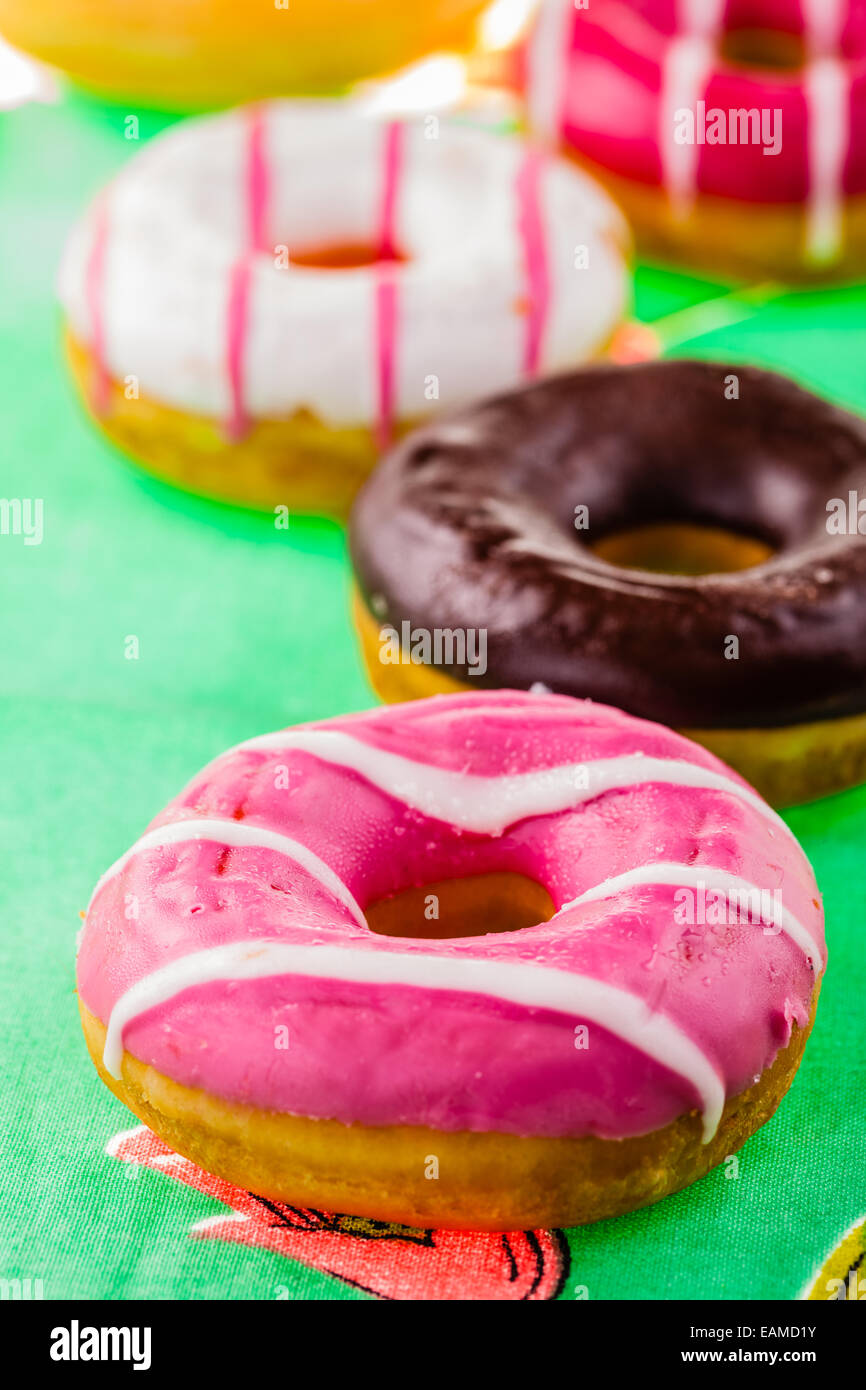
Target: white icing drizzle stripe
549,56
489,805
238,835
824,24
713,880
704,17
687,66
827,95
531,986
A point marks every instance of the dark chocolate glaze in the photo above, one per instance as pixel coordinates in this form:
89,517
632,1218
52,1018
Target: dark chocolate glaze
469,523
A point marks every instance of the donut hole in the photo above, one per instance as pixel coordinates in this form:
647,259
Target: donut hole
764,49
347,255
476,906
681,548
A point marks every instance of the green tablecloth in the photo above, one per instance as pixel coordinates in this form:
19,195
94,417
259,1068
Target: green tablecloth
243,628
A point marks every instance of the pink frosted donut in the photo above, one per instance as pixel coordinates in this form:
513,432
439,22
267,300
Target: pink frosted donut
238,993
728,128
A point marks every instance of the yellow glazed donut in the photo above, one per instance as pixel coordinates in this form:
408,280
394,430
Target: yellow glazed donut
192,54
262,299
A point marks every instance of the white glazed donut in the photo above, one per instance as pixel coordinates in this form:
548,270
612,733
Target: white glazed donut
285,264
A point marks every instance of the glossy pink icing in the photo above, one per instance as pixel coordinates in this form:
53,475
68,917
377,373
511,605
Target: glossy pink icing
531,225
612,72
393,1054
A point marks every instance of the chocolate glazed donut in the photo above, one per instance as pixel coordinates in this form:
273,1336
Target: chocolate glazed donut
473,526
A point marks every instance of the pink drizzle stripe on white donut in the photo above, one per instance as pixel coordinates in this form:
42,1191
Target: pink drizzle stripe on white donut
532,235
238,835
696,876
532,986
94,289
257,180
386,285
255,211
386,334
237,315
392,167
489,805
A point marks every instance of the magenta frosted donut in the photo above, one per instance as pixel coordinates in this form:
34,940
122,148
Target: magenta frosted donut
686,942
612,81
